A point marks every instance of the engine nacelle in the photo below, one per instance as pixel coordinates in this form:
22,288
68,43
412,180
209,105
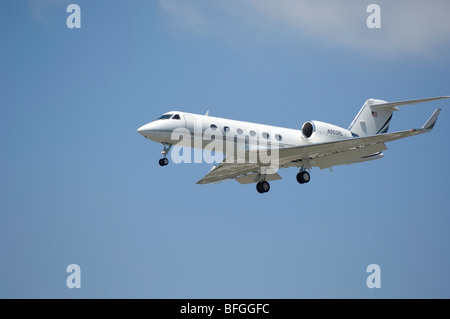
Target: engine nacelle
320,132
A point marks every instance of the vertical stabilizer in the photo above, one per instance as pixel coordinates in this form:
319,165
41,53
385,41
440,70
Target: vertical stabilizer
371,120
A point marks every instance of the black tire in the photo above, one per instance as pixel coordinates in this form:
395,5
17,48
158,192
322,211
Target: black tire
258,188
265,186
303,177
165,161
306,177
160,162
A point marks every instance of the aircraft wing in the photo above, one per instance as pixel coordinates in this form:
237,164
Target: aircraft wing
305,154
225,171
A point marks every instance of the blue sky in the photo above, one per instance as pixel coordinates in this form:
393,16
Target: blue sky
79,184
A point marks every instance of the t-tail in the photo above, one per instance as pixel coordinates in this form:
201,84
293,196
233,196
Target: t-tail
376,115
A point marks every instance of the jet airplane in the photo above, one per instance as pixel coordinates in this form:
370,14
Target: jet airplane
316,144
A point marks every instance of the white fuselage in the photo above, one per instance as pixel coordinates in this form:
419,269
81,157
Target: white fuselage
195,127
233,138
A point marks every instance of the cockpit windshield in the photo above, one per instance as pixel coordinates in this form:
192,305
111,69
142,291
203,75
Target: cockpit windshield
165,117
168,116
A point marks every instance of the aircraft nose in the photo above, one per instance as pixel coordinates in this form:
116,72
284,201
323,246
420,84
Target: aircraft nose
146,129
141,130
150,130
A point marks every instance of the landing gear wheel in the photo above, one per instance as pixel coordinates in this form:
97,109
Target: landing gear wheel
258,188
303,177
263,187
163,161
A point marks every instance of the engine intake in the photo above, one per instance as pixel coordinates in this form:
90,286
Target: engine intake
317,132
308,129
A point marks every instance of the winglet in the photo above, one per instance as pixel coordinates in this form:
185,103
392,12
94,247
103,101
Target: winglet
431,121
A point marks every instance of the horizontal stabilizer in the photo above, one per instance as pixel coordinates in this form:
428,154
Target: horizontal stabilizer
393,105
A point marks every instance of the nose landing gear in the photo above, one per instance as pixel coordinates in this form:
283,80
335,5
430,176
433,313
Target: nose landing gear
164,161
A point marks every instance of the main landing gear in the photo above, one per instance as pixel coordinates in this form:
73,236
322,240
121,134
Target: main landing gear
303,176
164,161
262,187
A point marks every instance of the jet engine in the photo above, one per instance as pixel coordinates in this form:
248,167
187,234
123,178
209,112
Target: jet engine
320,132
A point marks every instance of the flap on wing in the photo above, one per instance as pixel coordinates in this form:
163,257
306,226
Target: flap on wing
357,155
255,178
226,171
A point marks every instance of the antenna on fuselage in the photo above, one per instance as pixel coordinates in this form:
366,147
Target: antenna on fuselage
207,113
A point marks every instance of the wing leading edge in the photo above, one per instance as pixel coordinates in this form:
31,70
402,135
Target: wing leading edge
330,153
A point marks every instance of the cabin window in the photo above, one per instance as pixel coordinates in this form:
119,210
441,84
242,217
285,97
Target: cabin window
265,135
278,137
239,131
213,126
252,133
176,117
226,129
